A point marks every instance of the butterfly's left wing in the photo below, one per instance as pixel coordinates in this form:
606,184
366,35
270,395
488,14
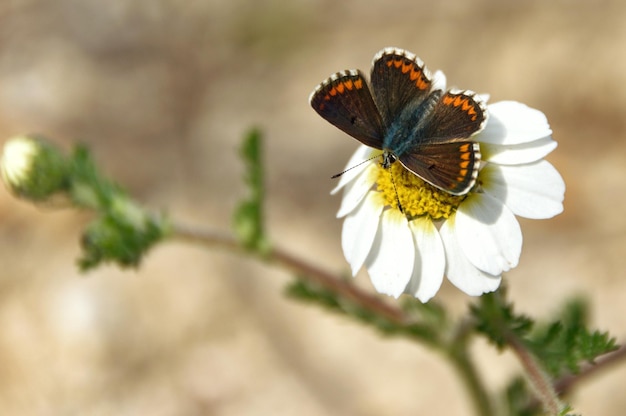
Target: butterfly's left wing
345,101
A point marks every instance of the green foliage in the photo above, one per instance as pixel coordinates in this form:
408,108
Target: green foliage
520,401
303,290
111,238
89,189
560,344
425,322
248,217
123,231
496,319
563,344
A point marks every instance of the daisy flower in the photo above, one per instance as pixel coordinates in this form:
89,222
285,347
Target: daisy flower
409,234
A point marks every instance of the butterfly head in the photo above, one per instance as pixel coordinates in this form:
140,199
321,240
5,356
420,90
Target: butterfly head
388,159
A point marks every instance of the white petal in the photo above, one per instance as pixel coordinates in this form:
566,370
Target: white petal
534,190
430,260
511,122
518,153
355,191
390,262
359,230
355,166
488,234
460,272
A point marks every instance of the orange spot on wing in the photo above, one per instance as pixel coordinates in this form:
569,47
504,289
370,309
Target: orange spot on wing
463,102
421,83
340,88
358,84
349,84
468,107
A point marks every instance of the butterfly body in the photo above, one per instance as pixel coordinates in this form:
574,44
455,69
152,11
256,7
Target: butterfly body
408,118
406,132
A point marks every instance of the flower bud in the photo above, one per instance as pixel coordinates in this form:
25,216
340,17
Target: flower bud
33,168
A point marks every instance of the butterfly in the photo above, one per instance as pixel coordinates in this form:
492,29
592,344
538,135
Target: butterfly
404,114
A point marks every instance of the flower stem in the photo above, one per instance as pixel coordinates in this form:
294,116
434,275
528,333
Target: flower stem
567,383
457,352
538,379
280,257
455,349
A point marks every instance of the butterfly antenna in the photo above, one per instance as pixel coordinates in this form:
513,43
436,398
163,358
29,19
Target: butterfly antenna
336,175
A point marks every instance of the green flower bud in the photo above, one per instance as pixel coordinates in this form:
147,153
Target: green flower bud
32,168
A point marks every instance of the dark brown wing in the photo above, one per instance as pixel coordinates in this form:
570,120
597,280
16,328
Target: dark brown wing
452,167
345,101
398,78
457,115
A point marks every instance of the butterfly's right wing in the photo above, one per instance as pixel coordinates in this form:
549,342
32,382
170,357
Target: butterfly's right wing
345,101
451,166
445,154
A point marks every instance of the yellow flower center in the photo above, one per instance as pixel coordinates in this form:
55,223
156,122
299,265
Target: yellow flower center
417,197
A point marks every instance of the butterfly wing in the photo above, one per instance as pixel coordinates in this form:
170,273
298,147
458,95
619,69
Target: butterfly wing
452,167
345,101
398,79
443,154
456,116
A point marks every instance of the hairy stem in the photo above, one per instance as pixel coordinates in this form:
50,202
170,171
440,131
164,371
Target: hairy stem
538,379
567,383
281,257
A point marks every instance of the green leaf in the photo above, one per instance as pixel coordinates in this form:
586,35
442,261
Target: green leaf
565,343
496,318
112,238
561,344
248,219
421,328
123,231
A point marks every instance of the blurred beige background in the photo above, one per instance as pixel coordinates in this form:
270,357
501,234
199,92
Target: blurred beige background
162,92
